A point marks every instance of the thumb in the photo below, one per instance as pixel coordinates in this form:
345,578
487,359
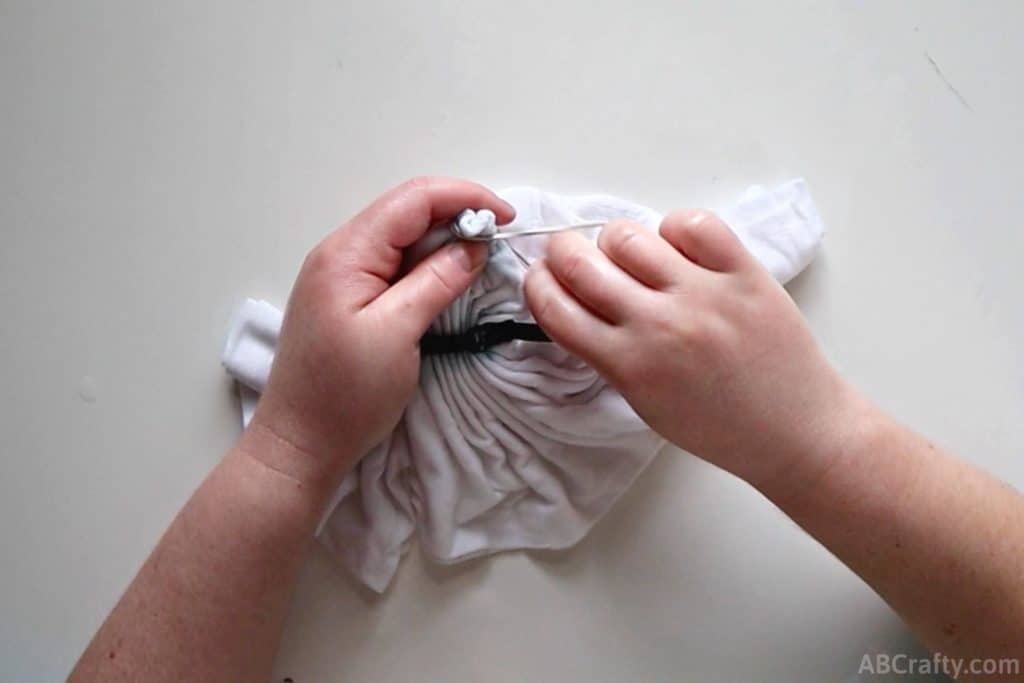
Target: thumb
432,285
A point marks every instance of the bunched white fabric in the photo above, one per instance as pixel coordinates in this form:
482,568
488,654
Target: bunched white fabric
520,446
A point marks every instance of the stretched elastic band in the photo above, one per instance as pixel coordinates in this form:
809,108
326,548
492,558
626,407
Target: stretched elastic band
482,337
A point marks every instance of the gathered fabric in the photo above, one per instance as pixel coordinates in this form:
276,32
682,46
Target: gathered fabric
520,444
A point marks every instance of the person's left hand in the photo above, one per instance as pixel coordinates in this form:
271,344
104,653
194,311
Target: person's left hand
348,356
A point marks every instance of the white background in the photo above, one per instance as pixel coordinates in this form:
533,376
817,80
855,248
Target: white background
159,161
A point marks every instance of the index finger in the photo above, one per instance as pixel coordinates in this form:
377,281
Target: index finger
373,241
402,215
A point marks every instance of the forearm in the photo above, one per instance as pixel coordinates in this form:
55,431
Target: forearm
712,353
939,540
210,601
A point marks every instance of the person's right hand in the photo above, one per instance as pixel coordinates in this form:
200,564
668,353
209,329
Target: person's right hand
708,349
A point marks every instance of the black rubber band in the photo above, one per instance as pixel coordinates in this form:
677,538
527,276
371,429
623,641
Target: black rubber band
482,337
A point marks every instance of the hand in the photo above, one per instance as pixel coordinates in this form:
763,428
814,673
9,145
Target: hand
348,356
703,343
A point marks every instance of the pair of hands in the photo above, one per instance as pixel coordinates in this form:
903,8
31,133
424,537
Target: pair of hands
703,343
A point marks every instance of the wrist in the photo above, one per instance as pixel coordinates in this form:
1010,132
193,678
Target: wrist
840,434
273,446
839,452
271,504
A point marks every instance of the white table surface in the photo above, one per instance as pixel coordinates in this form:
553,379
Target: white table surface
160,161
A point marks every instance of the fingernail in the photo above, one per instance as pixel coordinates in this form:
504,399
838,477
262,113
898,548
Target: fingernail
469,256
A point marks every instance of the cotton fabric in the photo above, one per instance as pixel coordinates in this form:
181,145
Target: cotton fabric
521,446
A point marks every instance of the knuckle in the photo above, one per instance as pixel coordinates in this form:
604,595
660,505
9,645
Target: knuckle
670,228
416,184
666,327
572,267
693,332
617,237
317,259
410,192
706,338
443,280
700,332
537,299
